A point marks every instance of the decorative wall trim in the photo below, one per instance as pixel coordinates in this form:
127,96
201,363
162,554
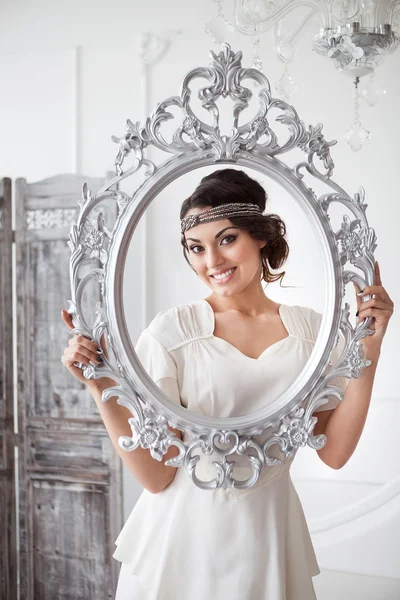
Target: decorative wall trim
76,112
361,575
152,48
360,511
377,501
327,480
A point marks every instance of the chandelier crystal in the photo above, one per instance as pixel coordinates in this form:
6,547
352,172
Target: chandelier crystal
355,35
219,28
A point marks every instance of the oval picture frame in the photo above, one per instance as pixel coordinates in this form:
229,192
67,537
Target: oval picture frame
98,254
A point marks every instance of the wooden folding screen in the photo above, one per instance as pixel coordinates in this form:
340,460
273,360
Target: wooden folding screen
70,476
8,550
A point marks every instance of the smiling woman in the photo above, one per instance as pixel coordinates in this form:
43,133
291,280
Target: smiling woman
243,339
226,386
226,355
242,200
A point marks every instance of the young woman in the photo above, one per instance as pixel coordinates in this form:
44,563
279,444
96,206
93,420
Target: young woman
228,355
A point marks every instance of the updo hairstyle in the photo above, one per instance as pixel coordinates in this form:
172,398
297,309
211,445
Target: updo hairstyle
231,185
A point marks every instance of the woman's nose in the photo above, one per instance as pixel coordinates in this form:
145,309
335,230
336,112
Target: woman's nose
214,259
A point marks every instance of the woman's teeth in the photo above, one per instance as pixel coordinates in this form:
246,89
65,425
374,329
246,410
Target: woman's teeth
224,275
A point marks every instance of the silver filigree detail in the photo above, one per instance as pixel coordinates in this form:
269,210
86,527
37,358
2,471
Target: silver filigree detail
313,143
93,236
357,361
225,74
191,126
260,125
151,432
352,239
93,245
297,434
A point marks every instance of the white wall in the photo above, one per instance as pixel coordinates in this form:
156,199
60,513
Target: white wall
71,74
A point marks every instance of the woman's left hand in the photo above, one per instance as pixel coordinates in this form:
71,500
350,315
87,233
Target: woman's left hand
380,308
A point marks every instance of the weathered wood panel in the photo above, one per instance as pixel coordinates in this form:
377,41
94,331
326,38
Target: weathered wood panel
8,549
70,476
69,562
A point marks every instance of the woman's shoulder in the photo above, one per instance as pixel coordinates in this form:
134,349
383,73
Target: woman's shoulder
305,321
174,326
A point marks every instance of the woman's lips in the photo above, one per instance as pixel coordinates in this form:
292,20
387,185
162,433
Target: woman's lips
226,279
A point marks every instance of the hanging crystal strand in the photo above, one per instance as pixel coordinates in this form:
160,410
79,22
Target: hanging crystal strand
285,86
219,27
356,136
257,63
371,91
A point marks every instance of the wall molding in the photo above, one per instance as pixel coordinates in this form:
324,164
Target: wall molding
380,506
153,47
76,112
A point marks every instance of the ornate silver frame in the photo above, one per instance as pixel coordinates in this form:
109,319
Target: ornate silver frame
102,250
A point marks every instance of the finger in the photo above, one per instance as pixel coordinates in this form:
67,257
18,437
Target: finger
103,345
374,312
84,352
373,303
67,318
71,361
377,290
68,360
358,298
377,274
76,372
74,355
362,318
80,340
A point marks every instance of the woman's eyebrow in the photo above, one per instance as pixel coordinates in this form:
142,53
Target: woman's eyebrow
217,235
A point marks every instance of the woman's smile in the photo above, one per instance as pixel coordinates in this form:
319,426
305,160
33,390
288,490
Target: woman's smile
221,280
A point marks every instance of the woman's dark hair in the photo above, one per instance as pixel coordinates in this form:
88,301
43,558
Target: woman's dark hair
231,185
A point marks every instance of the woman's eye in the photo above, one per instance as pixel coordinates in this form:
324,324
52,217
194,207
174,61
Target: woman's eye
233,237
227,237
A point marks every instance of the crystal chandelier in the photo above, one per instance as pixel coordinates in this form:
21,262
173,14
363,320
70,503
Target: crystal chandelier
355,35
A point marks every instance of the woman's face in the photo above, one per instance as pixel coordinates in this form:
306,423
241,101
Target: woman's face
218,247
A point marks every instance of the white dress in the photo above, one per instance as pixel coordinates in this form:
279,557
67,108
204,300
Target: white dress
197,544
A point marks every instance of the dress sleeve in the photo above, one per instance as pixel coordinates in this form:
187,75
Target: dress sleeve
158,364
341,382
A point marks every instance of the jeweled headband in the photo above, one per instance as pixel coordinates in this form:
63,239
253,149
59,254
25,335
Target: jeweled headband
223,211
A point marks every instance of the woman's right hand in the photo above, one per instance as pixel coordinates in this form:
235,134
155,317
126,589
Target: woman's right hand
79,349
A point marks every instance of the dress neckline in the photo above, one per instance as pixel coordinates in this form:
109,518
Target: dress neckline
284,323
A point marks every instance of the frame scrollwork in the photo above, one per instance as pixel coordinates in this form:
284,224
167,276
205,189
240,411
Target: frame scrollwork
102,249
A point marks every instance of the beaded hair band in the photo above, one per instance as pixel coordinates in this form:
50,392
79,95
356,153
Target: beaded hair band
223,211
